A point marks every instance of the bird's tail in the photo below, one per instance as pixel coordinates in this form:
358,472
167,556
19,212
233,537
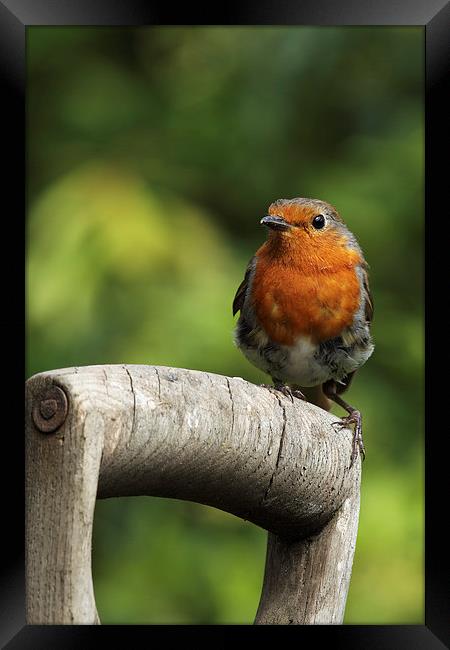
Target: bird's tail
316,396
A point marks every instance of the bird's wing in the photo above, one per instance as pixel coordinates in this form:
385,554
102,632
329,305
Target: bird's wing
368,298
345,382
242,288
350,336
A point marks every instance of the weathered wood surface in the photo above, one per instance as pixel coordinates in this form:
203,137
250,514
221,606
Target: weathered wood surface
108,431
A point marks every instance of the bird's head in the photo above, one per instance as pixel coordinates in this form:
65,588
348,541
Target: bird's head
308,225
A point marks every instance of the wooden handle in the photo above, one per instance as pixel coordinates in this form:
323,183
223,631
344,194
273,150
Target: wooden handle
168,432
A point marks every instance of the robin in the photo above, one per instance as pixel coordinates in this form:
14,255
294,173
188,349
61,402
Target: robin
306,308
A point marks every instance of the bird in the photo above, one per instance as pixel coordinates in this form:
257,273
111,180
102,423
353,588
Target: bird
305,307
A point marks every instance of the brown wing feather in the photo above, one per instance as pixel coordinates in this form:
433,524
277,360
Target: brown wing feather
368,306
368,313
242,289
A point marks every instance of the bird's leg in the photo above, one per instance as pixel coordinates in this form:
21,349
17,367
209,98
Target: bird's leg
284,389
353,417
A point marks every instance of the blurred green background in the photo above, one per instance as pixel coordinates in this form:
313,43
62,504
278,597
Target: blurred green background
152,155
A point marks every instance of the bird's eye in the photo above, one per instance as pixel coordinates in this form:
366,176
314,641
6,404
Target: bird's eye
318,222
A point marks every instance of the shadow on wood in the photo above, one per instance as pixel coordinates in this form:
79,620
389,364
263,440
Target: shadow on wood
106,431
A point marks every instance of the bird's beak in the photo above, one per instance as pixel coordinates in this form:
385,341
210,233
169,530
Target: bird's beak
275,223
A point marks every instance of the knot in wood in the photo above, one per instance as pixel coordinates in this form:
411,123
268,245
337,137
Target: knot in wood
50,409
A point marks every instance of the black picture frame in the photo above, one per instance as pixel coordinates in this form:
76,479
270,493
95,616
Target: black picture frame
15,17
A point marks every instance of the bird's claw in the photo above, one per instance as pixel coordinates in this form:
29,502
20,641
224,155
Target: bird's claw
357,442
285,390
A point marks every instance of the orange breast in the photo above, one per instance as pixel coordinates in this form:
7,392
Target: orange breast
291,301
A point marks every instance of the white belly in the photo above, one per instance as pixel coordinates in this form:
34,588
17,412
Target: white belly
304,363
294,364
302,366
